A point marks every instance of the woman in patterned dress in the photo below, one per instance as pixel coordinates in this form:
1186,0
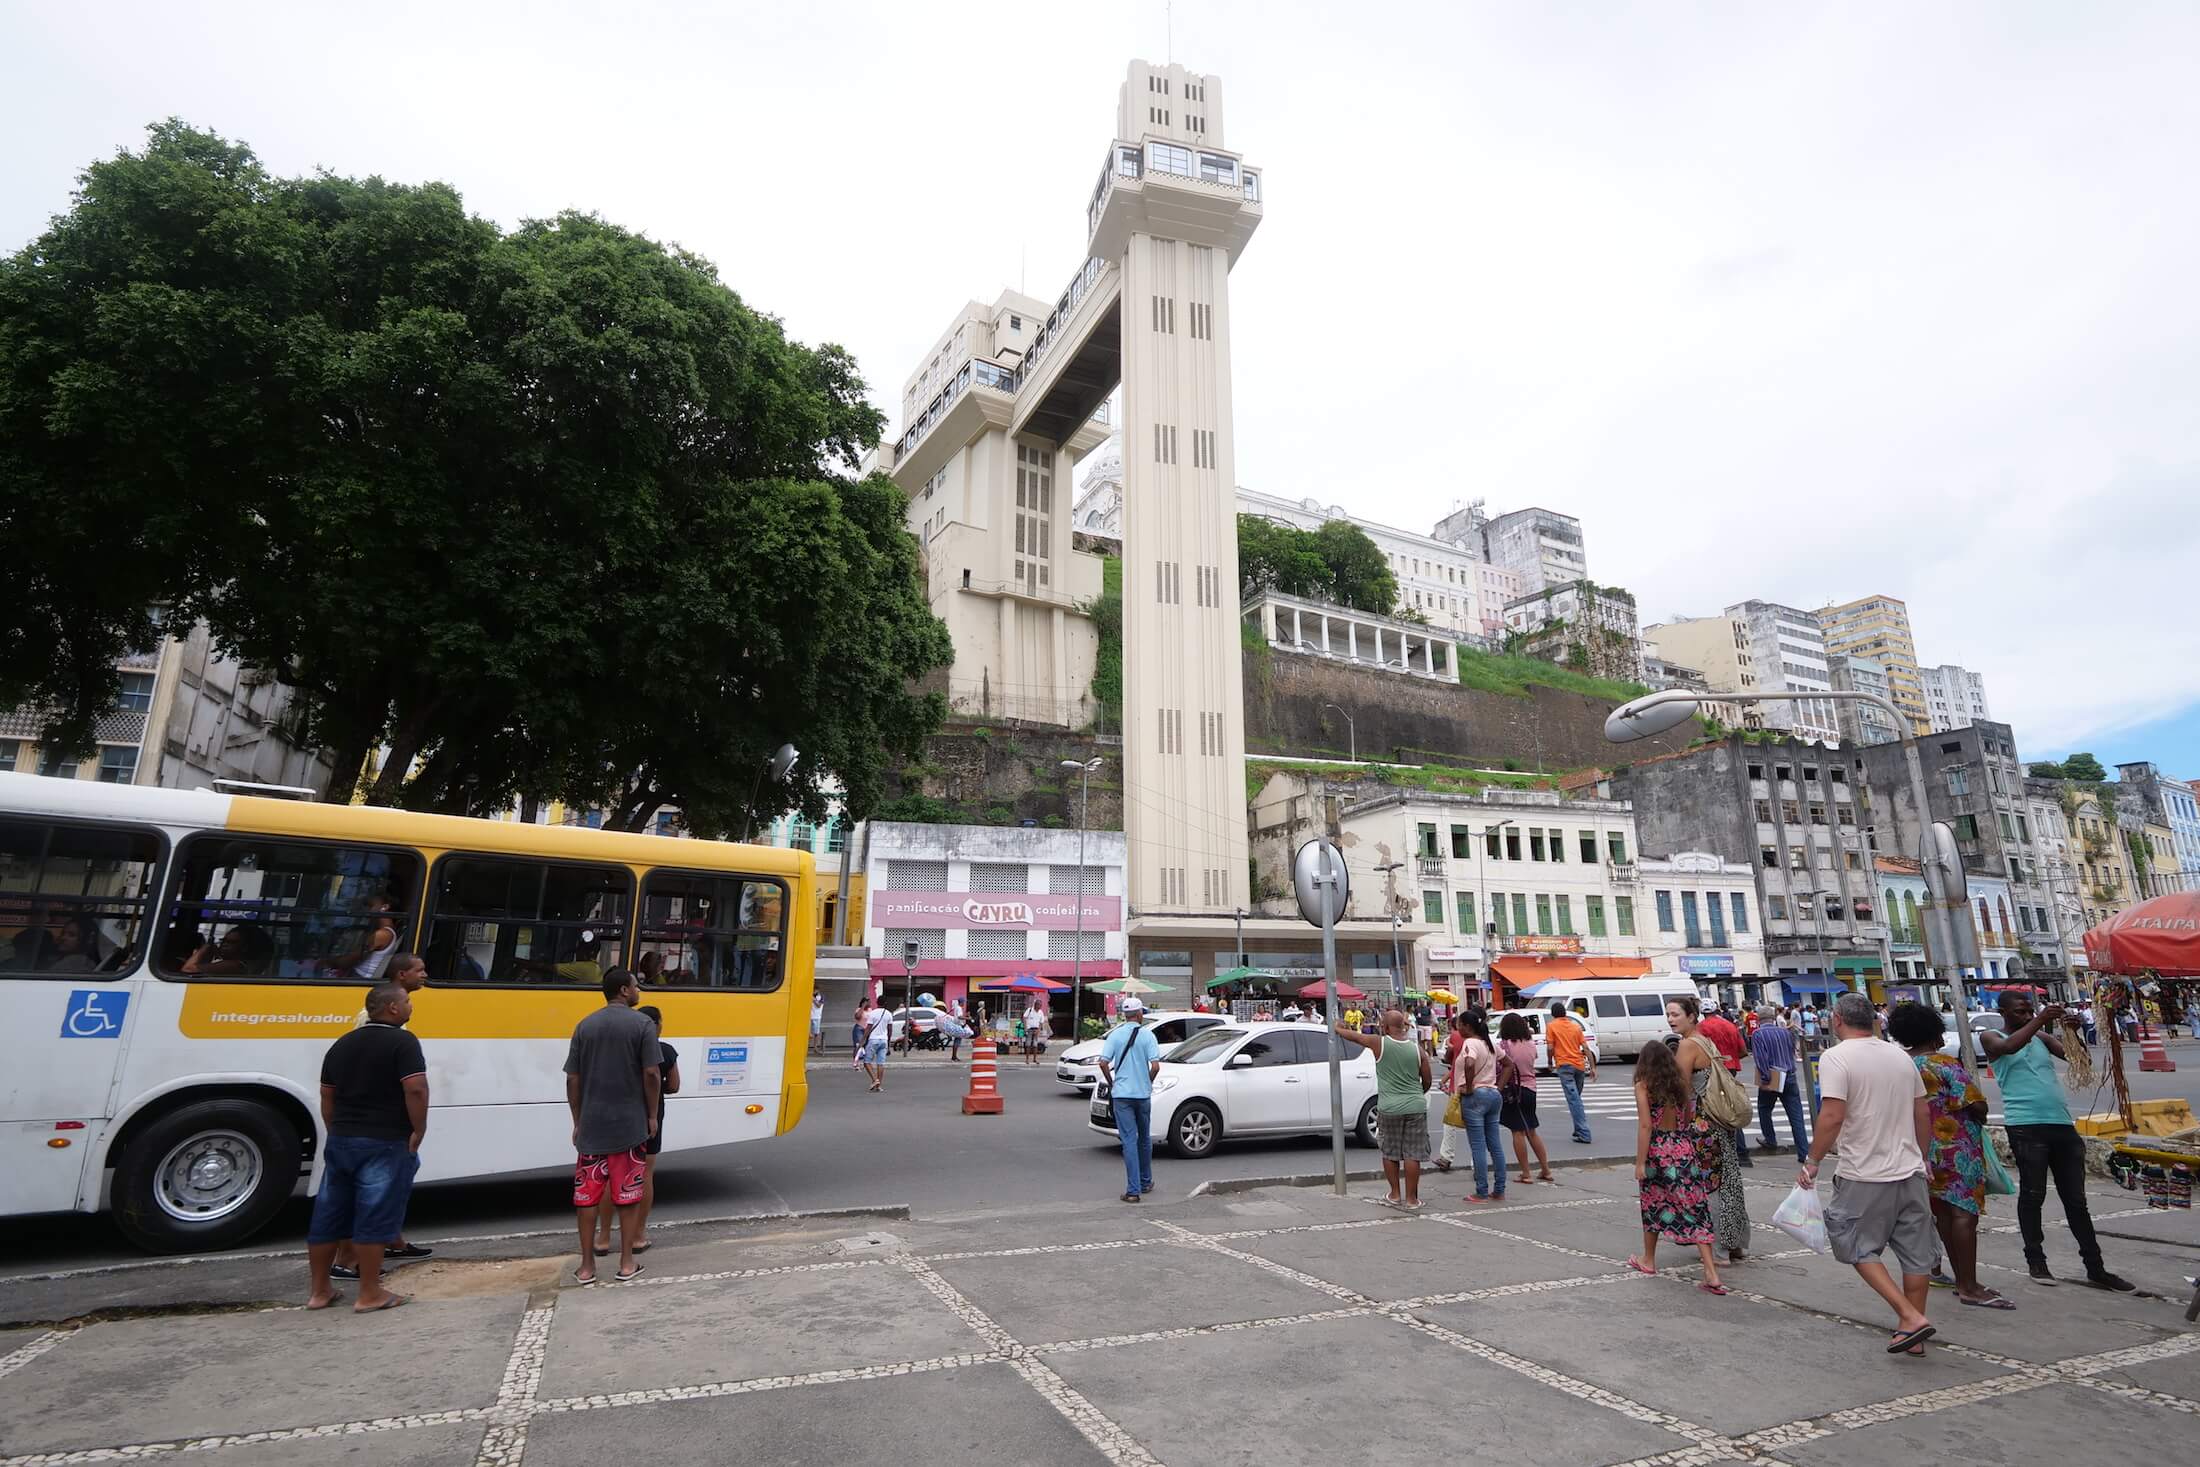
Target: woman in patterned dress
1956,1169
1671,1146
1696,1056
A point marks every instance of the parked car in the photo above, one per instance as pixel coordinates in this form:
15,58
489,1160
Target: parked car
1240,1080
1079,1066
916,1022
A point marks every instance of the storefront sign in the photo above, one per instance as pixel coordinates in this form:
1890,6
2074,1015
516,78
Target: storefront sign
1455,955
1043,912
1711,963
1543,944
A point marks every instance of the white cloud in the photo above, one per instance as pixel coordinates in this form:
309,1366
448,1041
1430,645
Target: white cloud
1799,302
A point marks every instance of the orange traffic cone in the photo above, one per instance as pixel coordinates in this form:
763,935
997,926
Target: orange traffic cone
984,1096
2152,1056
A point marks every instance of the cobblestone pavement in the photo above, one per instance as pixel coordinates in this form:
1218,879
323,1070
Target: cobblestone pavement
1282,1325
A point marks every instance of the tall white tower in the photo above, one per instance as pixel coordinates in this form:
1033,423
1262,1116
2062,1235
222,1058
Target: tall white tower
1170,216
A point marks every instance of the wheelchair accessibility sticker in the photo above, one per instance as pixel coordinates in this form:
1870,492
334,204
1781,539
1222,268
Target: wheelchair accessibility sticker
94,1014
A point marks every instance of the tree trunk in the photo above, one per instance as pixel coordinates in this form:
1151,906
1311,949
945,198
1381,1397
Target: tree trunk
411,733
351,760
635,811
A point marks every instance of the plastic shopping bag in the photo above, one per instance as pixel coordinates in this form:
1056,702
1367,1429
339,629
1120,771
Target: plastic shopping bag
1803,1218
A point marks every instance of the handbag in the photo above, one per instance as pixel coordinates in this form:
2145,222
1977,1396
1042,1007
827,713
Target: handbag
1998,1181
1725,1102
1453,1116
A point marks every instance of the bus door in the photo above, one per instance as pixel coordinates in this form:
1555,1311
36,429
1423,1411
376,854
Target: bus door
72,920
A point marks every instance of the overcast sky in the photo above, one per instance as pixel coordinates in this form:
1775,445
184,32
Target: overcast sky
1798,301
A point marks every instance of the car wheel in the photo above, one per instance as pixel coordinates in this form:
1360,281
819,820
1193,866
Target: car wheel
1363,1129
207,1175
1194,1130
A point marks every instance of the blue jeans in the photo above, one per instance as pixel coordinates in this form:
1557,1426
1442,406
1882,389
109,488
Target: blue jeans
1134,1123
1792,1097
365,1184
1569,1080
1484,1135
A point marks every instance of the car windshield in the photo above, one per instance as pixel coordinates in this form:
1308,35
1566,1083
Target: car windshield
1201,1049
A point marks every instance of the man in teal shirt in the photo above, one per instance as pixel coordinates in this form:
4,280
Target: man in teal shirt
2042,1136
1129,1060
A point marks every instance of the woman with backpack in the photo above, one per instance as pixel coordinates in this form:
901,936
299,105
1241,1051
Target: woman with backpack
1671,1140
1724,1105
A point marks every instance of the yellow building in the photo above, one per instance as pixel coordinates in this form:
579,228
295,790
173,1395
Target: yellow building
1878,627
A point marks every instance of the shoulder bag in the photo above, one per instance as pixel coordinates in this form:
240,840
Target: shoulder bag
1725,1102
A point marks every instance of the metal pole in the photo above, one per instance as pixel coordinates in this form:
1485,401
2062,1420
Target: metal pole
1077,956
1965,1054
1331,884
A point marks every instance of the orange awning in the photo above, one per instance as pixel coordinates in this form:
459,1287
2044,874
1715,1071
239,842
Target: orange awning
1522,971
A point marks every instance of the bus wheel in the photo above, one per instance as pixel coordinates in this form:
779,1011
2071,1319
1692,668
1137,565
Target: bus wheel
206,1175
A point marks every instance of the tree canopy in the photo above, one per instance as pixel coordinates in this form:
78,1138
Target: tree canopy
551,514
1337,562
2081,767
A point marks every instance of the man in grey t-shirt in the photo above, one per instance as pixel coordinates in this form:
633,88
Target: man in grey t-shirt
612,1084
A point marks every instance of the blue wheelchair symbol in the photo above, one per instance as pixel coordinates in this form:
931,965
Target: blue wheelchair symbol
94,1014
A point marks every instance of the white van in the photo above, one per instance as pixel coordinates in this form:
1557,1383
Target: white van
1624,1013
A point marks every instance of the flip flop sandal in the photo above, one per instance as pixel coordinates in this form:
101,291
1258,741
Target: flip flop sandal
602,1251
1991,1301
643,1247
1900,1344
1640,1267
628,1278
1719,1289
392,1302
584,1283
334,1300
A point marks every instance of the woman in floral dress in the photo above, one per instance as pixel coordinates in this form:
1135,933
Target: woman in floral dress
1956,1170
1676,1165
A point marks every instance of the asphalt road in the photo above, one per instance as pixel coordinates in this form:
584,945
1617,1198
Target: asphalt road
912,1147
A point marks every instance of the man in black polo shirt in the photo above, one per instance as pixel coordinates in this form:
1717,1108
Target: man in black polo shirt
374,1106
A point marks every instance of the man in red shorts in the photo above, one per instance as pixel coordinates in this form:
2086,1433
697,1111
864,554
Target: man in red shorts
612,1085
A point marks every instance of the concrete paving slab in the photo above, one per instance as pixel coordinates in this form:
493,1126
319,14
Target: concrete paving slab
1627,1340
1421,1257
2050,1424
158,1379
640,1337
979,1416
1404,1393
1070,1296
2177,1376
446,1445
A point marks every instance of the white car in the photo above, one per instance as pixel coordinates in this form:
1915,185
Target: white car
1240,1080
1079,1066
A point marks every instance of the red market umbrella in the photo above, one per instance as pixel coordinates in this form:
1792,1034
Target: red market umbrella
1029,982
1320,989
2162,934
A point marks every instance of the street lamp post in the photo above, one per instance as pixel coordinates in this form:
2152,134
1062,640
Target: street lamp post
1489,976
1657,712
1239,913
1391,901
1351,730
1084,770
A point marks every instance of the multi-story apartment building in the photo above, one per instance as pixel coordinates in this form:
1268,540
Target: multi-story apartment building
1955,697
1878,627
1717,648
1801,817
1522,883
1702,921
1978,788
2100,858
1788,654
1579,624
1542,545
989,507
1659,675
1990,912
187,717
2058,920
1861,723
1437,580
2168,804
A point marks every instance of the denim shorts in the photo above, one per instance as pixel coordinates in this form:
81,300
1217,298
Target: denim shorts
874,1053
365,1184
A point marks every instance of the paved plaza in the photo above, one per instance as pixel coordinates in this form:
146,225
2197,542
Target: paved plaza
1272,1325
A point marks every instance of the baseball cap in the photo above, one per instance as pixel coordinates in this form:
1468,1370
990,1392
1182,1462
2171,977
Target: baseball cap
1130,1005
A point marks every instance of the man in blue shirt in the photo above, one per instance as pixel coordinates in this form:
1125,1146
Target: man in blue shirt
1772,1048
1129,1060
2042,1136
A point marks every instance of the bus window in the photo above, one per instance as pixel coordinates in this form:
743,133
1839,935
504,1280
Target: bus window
708,931
254,907
72,897
505,921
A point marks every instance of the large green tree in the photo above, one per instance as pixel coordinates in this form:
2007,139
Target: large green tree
550,514
1337,562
